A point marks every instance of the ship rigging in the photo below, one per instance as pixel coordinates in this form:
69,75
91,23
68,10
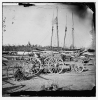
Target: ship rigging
55,21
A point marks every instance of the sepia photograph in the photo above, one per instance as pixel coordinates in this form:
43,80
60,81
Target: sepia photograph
48,49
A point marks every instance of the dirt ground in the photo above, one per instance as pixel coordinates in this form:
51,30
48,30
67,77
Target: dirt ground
52,82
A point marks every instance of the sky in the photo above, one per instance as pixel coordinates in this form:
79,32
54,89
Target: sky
34,24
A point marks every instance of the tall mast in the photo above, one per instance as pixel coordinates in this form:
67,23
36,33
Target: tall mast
72,32
57,29
52,29
51,35
65,31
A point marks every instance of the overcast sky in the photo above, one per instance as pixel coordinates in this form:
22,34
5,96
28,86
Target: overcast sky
34,24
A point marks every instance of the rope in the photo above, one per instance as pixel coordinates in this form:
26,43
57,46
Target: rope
44,38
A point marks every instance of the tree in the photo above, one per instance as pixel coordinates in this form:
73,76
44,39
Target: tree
29,44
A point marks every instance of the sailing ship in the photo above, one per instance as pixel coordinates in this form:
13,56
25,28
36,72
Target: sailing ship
55,22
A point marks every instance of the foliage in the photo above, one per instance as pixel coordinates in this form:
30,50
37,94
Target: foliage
27,47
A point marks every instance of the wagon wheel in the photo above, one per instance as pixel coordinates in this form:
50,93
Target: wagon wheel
60,64
33,67
45,65
79,68
55,65
46,61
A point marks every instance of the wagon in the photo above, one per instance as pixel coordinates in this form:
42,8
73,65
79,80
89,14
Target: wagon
53,62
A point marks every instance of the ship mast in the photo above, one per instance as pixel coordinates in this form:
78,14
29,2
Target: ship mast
65,31
51,35
57,29
52,30
72,46
55,22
